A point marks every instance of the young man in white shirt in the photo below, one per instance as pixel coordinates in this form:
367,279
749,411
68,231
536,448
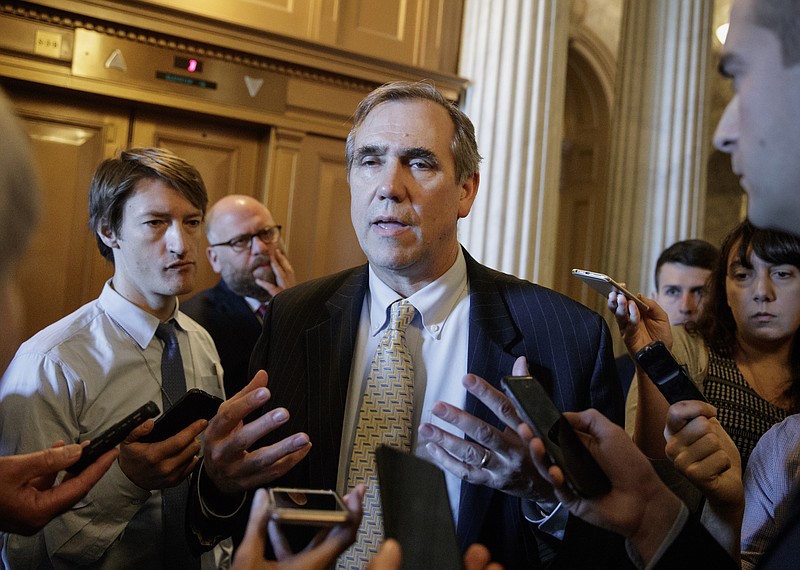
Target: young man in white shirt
82,374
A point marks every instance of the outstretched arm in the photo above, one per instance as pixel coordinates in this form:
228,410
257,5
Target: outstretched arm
638,330
639,506
28,499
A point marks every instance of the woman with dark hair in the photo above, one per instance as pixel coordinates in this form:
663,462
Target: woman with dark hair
744,350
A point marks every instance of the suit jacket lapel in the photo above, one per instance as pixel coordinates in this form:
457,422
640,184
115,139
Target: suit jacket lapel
492,336
329,360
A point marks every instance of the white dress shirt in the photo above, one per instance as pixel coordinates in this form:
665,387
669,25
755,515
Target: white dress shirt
73,380
437,339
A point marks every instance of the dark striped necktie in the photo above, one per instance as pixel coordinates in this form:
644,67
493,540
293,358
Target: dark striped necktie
173,500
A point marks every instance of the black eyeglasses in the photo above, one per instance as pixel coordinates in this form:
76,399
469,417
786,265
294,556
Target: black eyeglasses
268,236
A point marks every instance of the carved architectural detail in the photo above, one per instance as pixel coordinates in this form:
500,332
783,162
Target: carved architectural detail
75,21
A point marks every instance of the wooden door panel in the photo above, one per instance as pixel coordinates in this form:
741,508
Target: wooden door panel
321,239
584,182
63,268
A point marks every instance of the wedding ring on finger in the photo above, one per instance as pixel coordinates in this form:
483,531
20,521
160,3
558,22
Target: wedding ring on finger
487,456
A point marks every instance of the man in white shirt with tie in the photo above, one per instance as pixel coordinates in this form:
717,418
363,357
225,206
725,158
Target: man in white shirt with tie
80,375
413,173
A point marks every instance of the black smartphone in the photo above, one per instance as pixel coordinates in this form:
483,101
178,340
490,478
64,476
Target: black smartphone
195,404
582,473
416,510
669,377
312,507
113,436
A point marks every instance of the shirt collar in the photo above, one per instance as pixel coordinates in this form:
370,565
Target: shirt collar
433,303
135,321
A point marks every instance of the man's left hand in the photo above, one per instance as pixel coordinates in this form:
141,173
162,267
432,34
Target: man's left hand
498,459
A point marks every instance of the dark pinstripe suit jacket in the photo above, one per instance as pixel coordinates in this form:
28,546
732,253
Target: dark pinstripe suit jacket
234,327
307,348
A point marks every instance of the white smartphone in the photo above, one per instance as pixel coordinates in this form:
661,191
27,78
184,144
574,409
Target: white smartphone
312,507
604,285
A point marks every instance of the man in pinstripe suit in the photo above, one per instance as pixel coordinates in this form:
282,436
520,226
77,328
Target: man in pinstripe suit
413,172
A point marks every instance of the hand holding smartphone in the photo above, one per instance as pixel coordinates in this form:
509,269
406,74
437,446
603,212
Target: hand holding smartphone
565,449
194,405
604,285
669,377
311,507
112,437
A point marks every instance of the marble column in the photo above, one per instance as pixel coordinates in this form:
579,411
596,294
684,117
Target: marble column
660,136
514,53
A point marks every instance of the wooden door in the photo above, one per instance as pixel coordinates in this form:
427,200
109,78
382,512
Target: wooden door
303,183
63,268
308,188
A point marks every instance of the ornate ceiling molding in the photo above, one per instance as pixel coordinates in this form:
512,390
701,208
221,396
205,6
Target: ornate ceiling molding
77,21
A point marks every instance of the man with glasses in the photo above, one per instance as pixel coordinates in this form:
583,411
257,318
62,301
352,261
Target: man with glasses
246,251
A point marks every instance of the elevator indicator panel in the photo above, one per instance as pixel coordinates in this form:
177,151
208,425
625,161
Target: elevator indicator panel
149,69
188,64
193,81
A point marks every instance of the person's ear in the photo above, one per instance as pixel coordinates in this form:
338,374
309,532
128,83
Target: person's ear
108,236
213,259
469,189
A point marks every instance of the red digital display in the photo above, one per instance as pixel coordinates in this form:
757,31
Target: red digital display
188,64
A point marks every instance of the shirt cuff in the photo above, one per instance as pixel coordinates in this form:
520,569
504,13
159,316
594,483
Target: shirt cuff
211,491
553,523
673,533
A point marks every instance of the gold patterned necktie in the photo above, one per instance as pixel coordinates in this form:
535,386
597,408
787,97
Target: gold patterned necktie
385,417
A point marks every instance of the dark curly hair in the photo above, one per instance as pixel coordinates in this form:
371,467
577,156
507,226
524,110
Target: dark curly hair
716,324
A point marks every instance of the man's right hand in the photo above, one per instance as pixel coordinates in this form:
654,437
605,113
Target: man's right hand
639,506
227,461
28,499
283,271
161,464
